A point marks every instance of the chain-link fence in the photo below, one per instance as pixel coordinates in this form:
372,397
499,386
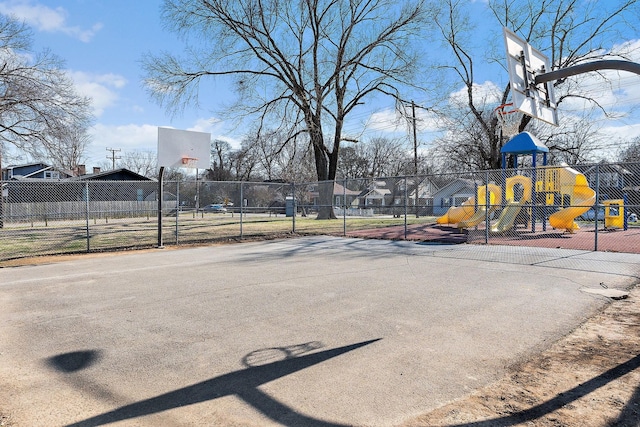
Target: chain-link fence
587,207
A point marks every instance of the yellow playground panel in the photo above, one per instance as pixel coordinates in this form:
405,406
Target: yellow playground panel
561,186
613,213
510,212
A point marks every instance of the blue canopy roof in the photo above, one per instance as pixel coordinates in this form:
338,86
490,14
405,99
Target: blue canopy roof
524,143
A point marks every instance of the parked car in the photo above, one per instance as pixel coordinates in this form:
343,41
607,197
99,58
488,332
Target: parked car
590,215
215,208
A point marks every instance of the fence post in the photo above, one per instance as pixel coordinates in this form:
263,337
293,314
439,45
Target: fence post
487,201
241,207
86,204
597,208
344,207
406,208
177,208
2,194
295,209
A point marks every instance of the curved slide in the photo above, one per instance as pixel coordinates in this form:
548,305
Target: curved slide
455,214
583,198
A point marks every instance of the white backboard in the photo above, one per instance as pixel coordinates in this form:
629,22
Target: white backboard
524,63
174,146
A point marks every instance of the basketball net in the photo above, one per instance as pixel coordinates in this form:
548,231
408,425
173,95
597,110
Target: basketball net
509,120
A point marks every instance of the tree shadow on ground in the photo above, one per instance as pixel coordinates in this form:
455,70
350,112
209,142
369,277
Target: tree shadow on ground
628,417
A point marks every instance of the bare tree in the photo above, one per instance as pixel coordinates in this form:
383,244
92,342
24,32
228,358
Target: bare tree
244,164
144,163
40,112
65,147
221,165
631,153
569,31
353,163
310,63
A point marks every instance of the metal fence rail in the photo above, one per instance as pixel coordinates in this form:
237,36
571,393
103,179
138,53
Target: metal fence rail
588,207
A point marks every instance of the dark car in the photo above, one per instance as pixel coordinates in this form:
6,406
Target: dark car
215,208
590,215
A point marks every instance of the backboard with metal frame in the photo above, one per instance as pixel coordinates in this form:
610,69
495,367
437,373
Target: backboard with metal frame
180,149
183,149
524,64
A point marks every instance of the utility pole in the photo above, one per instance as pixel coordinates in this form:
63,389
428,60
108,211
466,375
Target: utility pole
113,156
402,108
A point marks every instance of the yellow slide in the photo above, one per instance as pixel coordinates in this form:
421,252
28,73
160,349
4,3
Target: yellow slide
476,218
507,216
582,198
455,214
466,211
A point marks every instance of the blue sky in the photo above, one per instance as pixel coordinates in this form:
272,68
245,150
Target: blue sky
103,41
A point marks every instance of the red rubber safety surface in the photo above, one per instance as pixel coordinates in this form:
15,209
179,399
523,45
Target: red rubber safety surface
614,240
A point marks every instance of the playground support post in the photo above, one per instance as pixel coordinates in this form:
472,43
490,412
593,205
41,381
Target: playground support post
625,202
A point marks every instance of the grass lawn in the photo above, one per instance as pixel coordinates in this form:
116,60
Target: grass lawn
25,240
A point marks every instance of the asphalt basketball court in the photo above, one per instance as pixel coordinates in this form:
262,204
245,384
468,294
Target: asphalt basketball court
306,331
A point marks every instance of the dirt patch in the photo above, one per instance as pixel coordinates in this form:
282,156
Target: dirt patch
590,377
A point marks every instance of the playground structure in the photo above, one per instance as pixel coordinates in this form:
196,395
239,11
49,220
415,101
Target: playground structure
561,188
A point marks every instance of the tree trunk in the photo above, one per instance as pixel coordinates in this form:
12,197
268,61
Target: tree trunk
325,181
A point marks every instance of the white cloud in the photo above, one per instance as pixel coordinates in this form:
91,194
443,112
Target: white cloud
134,137
205,125
386,121
216,128
101,88
389,120
621,133
47,19
487,93
131,137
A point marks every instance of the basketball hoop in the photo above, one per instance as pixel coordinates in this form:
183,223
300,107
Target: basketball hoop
189,162
509,120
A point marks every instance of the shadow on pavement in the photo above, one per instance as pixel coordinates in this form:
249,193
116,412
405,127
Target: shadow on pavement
74,361
243,384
